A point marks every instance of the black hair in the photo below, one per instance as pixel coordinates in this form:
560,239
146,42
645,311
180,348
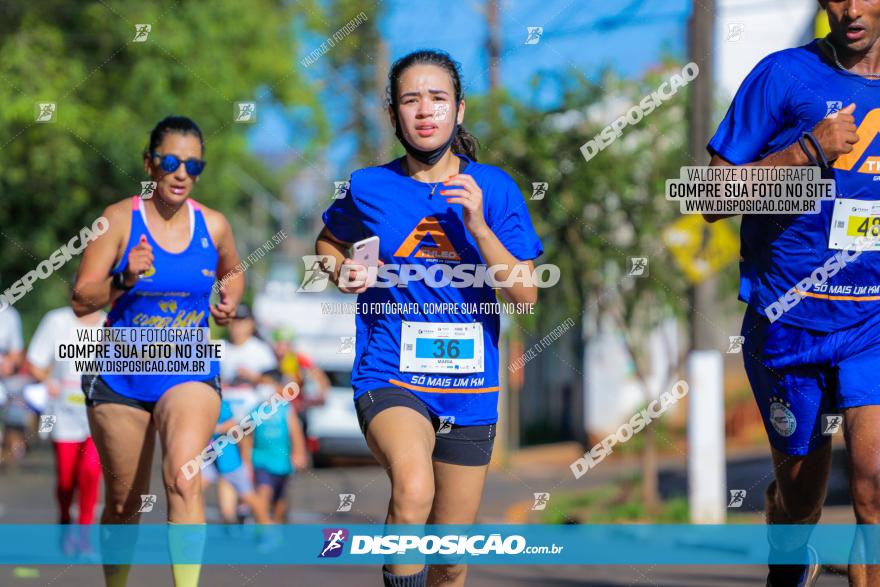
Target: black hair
464,142
174,124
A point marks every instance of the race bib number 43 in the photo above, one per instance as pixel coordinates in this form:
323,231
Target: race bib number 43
854,221
429,347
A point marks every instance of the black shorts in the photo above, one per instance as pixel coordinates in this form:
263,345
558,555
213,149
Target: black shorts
457,445
97,392
277,483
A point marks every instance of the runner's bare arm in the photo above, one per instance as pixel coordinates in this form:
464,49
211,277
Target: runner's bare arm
494,253
298,452
228,271
836,135
329,245
92,289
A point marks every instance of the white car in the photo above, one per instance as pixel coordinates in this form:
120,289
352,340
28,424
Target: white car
333,428
324,330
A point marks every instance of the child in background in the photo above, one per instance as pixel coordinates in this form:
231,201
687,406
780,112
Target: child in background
278,450
235,481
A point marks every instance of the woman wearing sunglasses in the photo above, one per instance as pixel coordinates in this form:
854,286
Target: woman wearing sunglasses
156,266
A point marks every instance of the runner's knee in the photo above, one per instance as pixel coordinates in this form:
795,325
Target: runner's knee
411,499
794,508
866,496
181,486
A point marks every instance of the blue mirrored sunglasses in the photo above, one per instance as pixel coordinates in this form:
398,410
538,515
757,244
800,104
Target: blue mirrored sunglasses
170,163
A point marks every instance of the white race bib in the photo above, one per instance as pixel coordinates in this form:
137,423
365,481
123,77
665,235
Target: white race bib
432,347
852,221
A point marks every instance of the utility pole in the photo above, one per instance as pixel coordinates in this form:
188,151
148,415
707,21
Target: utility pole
382,65
493,43
707,480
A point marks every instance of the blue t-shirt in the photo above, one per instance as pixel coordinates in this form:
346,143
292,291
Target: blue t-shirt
786,94
230,459
415,227
272,443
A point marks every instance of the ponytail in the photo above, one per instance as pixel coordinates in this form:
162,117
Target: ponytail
465,144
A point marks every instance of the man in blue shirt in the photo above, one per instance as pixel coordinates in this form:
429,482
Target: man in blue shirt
811,349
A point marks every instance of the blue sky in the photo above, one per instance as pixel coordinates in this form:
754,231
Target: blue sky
629,36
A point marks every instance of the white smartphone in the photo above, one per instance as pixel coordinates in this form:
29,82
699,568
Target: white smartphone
366,252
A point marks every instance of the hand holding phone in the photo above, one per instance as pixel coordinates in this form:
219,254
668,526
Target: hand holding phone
354,275
366,252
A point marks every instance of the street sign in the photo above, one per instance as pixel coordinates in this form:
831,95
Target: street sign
699,248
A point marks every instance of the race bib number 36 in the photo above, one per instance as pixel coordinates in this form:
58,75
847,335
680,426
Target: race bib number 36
429,347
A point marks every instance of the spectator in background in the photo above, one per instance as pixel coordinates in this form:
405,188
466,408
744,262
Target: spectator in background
298,367
277,448
234,476
16,415
248,357
77,465
246,371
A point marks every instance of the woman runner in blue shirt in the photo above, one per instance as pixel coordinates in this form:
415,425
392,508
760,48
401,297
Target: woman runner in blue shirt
157,265
425,374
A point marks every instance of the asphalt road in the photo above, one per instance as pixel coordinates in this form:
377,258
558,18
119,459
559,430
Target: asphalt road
26,496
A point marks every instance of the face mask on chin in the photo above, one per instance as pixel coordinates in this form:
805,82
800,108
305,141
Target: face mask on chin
427,157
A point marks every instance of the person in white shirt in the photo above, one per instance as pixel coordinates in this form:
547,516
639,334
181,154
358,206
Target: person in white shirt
247,360
77,465
16,416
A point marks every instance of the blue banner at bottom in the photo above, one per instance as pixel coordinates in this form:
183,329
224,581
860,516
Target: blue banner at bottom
492,544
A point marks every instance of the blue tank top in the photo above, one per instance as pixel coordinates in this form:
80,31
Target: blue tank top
175,293
272,443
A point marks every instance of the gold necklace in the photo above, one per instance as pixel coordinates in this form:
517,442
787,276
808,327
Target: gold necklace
840,65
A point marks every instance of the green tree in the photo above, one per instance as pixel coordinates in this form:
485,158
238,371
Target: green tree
198,59
599,214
